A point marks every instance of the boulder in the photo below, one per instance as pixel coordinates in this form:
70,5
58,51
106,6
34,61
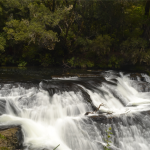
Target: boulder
11,137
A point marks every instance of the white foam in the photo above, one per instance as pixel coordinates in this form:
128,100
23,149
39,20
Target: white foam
65,78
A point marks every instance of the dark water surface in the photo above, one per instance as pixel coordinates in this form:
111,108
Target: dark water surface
37,74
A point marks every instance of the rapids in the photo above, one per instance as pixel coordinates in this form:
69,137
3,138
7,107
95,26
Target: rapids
52,112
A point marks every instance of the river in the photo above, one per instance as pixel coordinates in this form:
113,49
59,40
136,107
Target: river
51,109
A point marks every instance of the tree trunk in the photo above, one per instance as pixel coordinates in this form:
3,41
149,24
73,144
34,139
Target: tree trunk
146,26
53,6
147,7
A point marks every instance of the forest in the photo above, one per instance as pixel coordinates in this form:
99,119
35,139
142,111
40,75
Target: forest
75,33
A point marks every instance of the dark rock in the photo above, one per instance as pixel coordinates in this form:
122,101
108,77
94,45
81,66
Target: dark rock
134,76
126,119
87,113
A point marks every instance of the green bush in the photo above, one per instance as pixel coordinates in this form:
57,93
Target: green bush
101,45
46,60
6,60
22,64
135,50
78,62
114,62
2,43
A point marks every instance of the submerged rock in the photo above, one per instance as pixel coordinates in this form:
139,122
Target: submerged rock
11,137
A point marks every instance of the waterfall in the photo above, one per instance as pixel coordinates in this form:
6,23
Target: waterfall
53,112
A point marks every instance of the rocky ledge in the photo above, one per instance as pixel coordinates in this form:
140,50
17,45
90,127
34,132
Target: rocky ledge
11,137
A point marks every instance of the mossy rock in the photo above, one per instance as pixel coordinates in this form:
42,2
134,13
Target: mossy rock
10,138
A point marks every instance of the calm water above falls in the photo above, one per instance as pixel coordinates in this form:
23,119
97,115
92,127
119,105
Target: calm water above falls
52,111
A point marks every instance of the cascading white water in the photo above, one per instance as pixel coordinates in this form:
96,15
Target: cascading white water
48,121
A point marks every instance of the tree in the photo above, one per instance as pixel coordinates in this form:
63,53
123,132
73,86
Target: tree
37,28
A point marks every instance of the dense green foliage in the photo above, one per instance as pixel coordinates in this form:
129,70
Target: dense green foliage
74,33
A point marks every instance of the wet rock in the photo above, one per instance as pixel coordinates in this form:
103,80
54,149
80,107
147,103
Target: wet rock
126,119
64,76
88,75
11,137
135,76
97,74
87,98
145,87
